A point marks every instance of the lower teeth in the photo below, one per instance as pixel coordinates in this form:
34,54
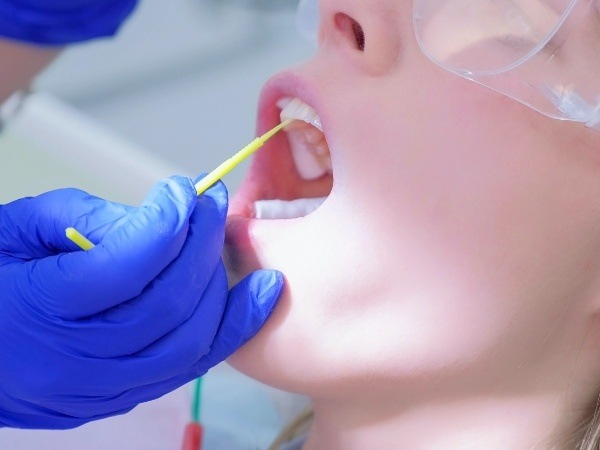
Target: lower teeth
283,209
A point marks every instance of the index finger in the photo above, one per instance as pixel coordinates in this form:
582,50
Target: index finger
123,264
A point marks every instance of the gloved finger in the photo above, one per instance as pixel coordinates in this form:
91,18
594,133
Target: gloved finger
81,284
168,357
164,367
168,301
221,323
249,305
34,227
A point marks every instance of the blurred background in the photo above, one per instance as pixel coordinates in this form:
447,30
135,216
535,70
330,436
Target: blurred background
180,82
175,92
182,78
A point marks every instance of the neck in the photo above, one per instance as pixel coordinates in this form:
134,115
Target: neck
535,406
526,422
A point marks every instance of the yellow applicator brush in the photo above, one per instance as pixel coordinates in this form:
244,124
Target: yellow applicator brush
228,165
223,169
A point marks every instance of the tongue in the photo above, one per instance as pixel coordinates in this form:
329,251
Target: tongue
282,209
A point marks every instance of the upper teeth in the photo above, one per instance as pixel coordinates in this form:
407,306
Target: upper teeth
294,108
307,143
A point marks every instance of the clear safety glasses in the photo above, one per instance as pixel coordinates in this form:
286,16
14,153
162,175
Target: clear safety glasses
542,53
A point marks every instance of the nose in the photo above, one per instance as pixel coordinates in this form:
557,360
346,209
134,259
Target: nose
367,32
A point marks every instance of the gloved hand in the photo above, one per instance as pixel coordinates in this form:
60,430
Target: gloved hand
90,334
60,22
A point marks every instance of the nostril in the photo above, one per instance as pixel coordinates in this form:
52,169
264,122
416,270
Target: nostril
359,35
352,29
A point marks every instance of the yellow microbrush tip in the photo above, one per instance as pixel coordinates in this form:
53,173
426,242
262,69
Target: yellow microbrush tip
79,239
228,165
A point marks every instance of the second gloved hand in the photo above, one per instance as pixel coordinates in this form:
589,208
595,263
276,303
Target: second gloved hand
86,335
60,22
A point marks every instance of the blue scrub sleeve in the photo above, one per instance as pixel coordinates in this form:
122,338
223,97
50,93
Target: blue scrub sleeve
60,22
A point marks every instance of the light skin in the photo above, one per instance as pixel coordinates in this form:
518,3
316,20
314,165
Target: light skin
446,295
20,64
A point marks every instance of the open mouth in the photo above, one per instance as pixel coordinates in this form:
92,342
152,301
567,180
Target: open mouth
293,175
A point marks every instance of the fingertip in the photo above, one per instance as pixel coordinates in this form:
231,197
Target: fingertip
267,286
217,190
218,194
182,190
178,187
186,184
171,198
263,288
249,304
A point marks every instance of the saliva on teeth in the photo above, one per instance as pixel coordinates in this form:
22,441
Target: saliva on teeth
311,156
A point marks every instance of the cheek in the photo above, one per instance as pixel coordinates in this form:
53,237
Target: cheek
481,225
399,287
363,303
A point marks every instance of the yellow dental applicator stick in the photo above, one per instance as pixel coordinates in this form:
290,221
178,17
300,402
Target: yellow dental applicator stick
223,169
228,165
75,236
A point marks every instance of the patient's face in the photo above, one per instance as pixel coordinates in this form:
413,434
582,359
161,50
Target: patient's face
461,227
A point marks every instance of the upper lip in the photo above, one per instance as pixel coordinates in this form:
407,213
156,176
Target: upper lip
286,84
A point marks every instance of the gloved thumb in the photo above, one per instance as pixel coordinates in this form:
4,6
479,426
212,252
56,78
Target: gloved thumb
249,305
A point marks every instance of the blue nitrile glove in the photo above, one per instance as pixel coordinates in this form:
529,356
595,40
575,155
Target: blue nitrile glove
90,334
59,22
